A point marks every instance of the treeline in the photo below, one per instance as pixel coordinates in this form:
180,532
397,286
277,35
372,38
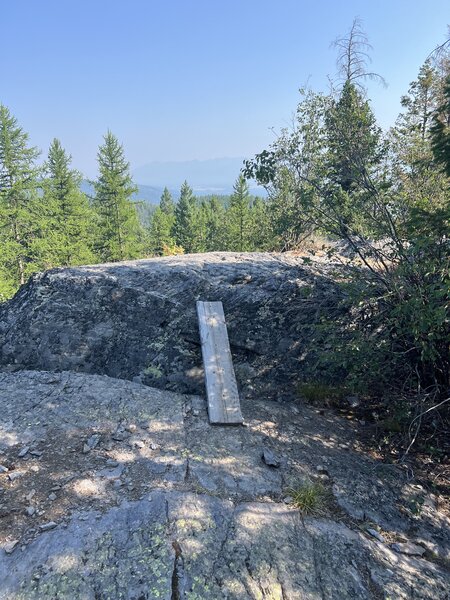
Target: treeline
239,222
46,220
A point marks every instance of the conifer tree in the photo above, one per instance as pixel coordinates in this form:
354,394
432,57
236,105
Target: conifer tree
166,204
161,225
65,218
186,219
353,139
238,217
18,182
214,216
119,234
440,131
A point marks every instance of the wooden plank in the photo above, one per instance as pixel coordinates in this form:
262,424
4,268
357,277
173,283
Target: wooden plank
221,388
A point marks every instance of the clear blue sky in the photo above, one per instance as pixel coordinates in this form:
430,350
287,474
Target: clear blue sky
192,79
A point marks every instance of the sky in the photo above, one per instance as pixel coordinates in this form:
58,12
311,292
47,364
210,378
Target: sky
193,79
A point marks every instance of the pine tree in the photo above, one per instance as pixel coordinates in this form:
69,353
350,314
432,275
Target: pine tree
18,182
238,217
353,139
66,217
186,220
119,234
166,204
161,225
214,212
440,131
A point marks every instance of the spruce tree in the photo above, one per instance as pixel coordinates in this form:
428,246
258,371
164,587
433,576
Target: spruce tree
238,217
161,225
353,139
119,234
440,131
66,217
214,212
18,182
166,203
186,220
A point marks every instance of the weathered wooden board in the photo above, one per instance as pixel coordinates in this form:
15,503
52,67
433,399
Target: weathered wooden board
221,387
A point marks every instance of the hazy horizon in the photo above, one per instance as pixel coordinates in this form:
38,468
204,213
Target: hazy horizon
200,81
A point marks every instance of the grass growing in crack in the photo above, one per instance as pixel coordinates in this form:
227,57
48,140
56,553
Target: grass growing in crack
311,498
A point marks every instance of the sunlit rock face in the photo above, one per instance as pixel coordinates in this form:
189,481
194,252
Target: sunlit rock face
114,485
137,320
126,491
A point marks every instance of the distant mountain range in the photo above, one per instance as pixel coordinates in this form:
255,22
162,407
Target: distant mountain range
206,177
213,176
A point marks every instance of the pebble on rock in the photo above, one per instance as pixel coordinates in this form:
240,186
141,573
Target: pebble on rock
409,548
3,469
374,533
47,526
270,459
23,451
9,548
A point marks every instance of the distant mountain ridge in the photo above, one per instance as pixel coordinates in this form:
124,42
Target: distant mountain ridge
212,176
206,177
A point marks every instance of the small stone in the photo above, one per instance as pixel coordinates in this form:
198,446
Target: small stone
112,463
15,475
30,495
30,510
55,488
9,547
409,548
374,533
270,459
195,412
23,451
322,470
154,446
139,444
52,496
3,469
35,452
288,500
93,441
131,428
47,526
353,401
86,449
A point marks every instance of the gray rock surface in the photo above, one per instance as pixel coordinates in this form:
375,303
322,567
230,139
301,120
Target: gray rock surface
166,506
137,320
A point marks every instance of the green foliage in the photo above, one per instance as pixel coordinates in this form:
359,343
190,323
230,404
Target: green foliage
320,393
186,216
162,225
119,234
65,218
440,131
311,498
18,203
238,217
390,204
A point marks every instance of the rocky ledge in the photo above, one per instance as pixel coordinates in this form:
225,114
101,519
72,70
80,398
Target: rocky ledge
110,488
137,320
